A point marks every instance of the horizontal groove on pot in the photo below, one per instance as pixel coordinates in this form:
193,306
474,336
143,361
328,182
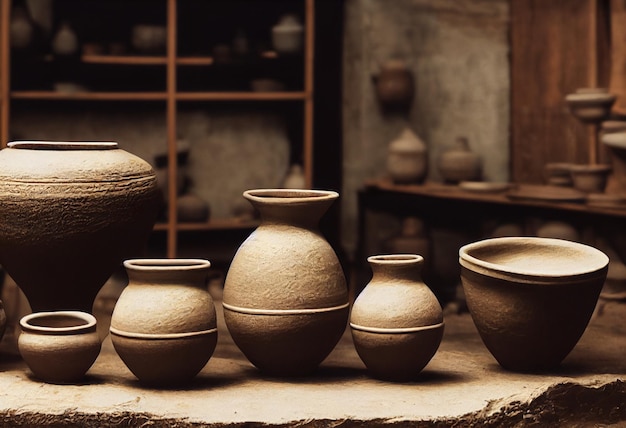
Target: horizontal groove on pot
399,330
254,311
161,336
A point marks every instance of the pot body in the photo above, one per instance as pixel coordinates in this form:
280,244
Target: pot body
164,325
460,163
531,298
394,84
74,211
59,346
407,158
285,294
396,321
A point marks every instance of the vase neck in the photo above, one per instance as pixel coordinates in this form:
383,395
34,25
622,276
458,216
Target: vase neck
399,267
184,272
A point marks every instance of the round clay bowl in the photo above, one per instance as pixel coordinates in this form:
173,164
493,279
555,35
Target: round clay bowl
531,298
590,178
59,346
590,105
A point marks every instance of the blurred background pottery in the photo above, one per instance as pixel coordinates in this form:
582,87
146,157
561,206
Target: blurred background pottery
149,38
590,178
558,174
590,104
396,321
59,346
531,298
394,84
164,324
287,35
73,211
459,163
407,158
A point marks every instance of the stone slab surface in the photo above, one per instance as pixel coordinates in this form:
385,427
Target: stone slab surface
462,386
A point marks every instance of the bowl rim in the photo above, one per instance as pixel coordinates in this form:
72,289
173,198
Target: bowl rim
494,269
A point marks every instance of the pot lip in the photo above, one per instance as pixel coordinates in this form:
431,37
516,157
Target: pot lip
590,98
495,269
156,264
395,259
62,145
598,168
90,321
279,196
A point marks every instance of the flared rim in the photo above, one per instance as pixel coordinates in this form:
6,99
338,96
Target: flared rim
395,259
291,195
574,259
37,320
166,264
63,145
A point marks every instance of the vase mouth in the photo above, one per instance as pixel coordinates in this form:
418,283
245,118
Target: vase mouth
395,259
292,195
58,321
63,145
533,258
166,264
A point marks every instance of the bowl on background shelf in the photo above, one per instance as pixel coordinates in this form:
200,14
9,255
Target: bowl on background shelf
558,173
590,178
590,104
531,298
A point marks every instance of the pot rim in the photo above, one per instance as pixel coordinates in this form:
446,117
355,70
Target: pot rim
395,259
279,196
155,264
600,260
62,145
90,321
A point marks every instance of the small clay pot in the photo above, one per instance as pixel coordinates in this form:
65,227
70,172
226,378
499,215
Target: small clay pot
407,158
590,178
59,346
394,84
192,208
459,163
287,35
590,104
396,321
558,174
531,298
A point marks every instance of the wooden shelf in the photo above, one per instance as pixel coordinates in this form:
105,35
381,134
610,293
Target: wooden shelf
145,60
242,96
96,96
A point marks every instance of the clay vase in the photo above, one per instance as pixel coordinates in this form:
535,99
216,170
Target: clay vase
285,294
72,212
394,84
396,321
164,324
295,179
191,208
458,163
287,35
531,298
65,41
59,346
407,158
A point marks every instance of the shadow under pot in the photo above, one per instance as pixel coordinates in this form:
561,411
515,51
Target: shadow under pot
164,324
60,346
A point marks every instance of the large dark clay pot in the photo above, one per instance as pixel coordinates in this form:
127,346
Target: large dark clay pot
71,212
285,294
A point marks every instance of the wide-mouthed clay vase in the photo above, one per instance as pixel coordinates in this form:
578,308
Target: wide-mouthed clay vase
59,346
531,298
71,211
285,294
164,325
396,321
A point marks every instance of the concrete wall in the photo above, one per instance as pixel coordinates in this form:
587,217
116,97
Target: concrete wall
458,53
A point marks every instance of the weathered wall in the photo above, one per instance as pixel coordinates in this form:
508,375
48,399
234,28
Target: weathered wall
458,52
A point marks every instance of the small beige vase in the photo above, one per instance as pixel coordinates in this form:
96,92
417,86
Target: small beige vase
459,163
407,158
396,321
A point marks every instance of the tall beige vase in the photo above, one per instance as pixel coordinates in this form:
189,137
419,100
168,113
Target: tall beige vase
285,294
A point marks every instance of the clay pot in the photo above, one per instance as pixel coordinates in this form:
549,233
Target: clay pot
73,212
459,163
559,230
65,41
396,321
295,178
59,346
558,174
21,28
394,84
531,298
590,104
192,208
590,178
148,38
287,35
407,158
285,294
164,325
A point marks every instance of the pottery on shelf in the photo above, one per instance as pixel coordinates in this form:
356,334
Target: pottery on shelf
616,144
590,104
149,38
590,178
558,173
287,35
59,346
21,28
65,41
559,230
394,84
295,178
459,163
407,158
72,212
531,298
191,208
164,324
285,294
396,321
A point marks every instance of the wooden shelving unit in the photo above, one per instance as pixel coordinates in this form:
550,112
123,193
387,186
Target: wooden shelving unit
172,96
